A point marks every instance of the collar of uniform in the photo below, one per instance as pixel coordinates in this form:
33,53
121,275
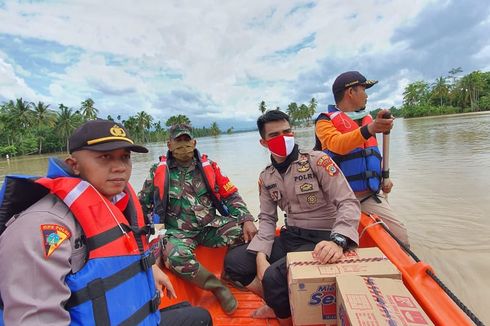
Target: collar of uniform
270,169
302,155
172,164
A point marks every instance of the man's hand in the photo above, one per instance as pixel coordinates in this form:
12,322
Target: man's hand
249,231
380,124
327,252
163,282
262,265
386,186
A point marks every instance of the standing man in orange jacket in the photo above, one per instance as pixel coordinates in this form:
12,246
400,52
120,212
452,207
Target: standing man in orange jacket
347,132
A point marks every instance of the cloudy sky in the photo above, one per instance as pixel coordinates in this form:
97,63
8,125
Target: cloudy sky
216,60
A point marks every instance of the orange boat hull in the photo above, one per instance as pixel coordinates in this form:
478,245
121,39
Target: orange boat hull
438,306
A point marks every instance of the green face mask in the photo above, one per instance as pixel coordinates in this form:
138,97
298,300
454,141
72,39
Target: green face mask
357,115
183,150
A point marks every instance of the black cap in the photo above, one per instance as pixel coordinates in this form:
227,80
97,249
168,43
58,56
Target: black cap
179,130
349,79
102,136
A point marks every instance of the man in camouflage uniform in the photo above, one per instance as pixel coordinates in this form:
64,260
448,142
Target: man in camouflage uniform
187,202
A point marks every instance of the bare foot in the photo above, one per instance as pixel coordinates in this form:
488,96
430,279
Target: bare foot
263,312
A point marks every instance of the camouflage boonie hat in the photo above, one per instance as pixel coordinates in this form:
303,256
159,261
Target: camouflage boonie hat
179,130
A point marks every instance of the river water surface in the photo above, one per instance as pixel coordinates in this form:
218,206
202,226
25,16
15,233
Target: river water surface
441,170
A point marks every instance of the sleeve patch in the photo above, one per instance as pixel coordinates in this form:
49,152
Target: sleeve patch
328,164
52,236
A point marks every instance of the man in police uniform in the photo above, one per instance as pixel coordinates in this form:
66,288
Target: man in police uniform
46,251
189,210
322,215
347,132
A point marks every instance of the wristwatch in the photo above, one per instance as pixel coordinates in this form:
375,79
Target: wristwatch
339,240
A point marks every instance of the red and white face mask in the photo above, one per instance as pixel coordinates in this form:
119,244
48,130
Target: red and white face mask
281,145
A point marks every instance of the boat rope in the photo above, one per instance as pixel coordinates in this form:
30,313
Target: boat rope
450,294
370,225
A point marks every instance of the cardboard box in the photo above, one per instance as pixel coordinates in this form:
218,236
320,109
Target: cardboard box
376,301
312,285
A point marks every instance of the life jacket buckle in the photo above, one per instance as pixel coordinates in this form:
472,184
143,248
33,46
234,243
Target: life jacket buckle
370,174
155,302
147,262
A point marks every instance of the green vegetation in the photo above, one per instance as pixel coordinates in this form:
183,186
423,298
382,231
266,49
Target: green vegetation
299,115
446,95
34,128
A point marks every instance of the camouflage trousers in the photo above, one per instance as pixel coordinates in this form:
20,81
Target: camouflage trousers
180,247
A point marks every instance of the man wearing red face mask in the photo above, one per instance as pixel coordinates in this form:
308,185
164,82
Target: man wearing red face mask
322,215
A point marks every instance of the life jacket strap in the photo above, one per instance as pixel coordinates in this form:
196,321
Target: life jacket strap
148,308
374,196
96,292
105,284
106,237
351,156
110,235
362,176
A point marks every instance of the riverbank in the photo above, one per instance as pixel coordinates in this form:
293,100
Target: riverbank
450,115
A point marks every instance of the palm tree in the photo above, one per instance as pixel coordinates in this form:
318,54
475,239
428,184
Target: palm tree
8,124
131,125
159,131
43,115
88,110
474,84
22,114
177,119
415,93
143,123
303,112
312,108
453,72
45,119
293,112
262,107
215,131
66,122
440,89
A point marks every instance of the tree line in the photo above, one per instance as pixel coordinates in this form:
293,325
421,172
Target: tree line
448,94
34,128
299,115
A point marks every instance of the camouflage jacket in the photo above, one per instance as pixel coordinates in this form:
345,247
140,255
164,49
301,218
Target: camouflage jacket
190,207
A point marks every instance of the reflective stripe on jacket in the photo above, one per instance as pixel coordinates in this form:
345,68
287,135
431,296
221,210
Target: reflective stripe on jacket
361,166
219,186
116,285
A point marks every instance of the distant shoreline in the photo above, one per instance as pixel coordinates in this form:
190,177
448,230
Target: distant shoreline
450,115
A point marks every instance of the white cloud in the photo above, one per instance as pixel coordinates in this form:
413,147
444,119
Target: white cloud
215,48
12,86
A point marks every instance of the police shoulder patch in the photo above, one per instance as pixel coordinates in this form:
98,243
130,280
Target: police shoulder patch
53,236
326,162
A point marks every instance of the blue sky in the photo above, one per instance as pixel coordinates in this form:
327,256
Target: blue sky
216,60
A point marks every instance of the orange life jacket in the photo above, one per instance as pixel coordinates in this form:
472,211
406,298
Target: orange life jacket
362,166
88,205
218,185
119,262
